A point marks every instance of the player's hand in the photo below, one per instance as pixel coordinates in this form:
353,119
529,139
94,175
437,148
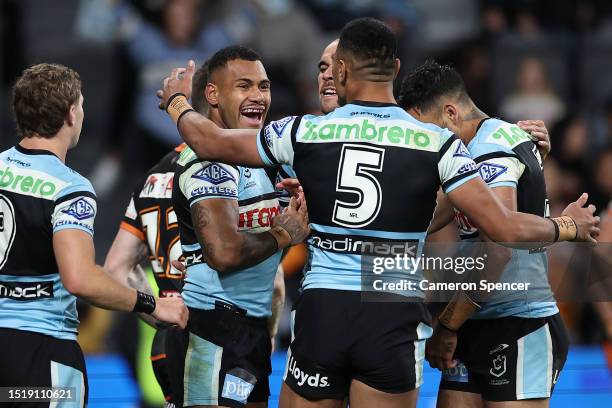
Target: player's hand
291,185
539,135
171,310
294,219
585,219
440,348
179,81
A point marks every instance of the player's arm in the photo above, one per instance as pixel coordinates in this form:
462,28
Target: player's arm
278,302
126,252
225,248
74,253
476,200
443,214
123,264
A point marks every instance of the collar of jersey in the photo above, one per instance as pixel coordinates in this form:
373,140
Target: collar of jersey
373,104
24,150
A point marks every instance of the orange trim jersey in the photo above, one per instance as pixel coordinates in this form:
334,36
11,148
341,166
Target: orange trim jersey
151,217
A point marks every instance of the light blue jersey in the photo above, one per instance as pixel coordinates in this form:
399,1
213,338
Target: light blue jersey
39,196
249,289
507,157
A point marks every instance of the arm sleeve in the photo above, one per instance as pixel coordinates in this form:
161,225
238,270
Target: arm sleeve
501,171
455,165
203,180
275,141
76,210
131,221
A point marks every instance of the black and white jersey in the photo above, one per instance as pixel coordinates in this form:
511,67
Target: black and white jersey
370,172
39,196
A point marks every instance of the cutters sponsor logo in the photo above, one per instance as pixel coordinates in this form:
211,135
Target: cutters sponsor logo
466,168
280,125
236,388
26,182
303,378
26,290
258,217
390,132
499,348
498,366
490,171
213,173
462,151
80,209
214,191
358,246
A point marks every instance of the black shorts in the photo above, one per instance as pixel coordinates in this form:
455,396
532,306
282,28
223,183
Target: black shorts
227,362
168,360
338,337
32,359
509,359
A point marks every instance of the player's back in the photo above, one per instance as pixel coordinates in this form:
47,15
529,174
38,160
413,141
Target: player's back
370,172
507,157
151,217
39,195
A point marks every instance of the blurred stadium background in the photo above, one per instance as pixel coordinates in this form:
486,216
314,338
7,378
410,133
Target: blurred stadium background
521,59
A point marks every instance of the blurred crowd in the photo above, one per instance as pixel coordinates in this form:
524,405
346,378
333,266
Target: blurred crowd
521,59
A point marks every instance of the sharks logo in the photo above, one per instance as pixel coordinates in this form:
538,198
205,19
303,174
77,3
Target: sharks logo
214,173
280,125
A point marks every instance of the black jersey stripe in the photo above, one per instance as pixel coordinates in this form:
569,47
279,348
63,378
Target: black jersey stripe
252,200
457,178
446,146
294,129
75,195
494,155
266,148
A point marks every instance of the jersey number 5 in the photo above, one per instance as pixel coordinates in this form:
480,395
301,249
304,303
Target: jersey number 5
357,163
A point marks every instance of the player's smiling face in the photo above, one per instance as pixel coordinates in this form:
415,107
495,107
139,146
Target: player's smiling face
328,98
243,94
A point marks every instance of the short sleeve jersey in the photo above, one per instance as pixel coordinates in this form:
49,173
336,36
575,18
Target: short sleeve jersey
507,157
39,196
370,172
249,289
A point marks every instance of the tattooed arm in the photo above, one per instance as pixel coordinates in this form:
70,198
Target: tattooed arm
225,249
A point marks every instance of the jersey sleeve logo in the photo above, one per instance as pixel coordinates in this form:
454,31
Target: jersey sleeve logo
466,168
150,184
462,151
280,125
80,210
490,171
213,173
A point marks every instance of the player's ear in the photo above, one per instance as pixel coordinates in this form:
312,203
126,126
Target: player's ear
396,67
211,93
342,71
71,116
451,113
